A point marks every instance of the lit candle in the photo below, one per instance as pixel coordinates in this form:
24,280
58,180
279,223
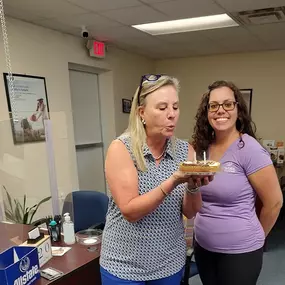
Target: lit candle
204,154
195,159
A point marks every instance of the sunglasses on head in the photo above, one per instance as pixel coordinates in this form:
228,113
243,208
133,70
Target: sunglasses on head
147,77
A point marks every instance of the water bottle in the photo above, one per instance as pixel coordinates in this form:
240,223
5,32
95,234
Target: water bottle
68,230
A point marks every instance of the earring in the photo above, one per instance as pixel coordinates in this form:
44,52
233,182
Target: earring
143,121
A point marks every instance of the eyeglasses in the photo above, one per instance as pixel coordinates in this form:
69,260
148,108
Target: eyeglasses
227,106
147,77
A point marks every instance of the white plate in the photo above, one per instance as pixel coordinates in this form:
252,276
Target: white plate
201,173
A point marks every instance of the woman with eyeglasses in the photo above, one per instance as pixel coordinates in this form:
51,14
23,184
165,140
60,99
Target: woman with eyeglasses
143,239
229,234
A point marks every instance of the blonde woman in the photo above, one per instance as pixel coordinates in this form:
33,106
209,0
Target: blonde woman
143,240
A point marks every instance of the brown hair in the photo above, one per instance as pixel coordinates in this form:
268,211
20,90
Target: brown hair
204,134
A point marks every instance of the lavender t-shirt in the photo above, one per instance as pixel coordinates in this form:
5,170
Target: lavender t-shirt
227,222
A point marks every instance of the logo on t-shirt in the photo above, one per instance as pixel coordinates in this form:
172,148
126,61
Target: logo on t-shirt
229,167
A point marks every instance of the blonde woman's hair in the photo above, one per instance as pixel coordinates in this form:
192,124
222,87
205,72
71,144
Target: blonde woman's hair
136,129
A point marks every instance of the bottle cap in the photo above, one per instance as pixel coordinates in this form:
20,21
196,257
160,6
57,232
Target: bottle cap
66,217
52,223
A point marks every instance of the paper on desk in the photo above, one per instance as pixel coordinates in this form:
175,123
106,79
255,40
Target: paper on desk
59,250
16,240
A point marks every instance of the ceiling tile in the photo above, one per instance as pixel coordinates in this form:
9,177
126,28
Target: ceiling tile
103,5
188,9
155,1
132,49
165,52
169,50
235,39
268,31
68,15
271,34
243,46
21,14
194,38
46,9
230,34
143,42
244,5
194,41
135,15
211,49
89,20
116,33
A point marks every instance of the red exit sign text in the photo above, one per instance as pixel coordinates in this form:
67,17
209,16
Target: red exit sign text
98,49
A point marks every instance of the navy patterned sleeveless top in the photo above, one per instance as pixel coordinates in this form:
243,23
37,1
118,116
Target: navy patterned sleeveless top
153,247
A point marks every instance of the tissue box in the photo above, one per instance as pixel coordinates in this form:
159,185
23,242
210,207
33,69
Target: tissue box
19,265
44,249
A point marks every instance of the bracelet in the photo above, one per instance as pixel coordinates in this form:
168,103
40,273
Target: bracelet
175,177
192,190
164,193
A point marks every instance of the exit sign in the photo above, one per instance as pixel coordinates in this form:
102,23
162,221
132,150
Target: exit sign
97,49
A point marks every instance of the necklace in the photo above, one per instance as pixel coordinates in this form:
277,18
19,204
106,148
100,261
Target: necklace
160,156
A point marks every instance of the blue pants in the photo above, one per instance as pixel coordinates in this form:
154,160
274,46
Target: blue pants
109,279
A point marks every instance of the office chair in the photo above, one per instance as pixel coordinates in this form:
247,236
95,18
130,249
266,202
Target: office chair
87,209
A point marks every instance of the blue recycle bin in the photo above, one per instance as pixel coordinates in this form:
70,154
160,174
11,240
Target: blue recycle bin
19,265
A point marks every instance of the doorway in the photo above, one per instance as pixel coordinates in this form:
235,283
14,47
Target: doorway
85,101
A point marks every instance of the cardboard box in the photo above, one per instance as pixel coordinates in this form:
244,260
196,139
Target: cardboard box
44,249
19,266
280,144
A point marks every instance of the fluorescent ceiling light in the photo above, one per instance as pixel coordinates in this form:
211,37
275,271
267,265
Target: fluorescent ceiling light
187,25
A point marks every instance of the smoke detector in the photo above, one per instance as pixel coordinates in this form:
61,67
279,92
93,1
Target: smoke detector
262,16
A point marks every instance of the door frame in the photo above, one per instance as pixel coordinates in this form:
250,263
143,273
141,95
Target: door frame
106,105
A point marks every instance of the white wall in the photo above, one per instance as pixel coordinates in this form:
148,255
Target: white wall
264,72
43,52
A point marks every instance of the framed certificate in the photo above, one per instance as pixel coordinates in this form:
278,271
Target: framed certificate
28,108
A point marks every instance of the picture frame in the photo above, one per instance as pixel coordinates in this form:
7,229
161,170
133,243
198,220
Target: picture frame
247,96
31,107
126,105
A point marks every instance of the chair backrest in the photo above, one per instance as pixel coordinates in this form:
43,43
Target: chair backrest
86,208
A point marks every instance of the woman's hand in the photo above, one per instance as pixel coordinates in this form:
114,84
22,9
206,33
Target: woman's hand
200,180
193,180
180,177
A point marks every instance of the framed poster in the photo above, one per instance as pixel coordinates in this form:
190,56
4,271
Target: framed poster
29,108
247,96
126,105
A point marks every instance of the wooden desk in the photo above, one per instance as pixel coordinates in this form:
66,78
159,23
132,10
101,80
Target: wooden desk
78,265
